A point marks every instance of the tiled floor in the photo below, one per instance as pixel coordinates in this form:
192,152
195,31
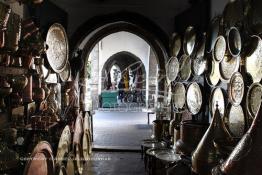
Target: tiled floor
121,129
114,163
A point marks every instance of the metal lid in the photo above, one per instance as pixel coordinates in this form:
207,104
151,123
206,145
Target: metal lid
219,48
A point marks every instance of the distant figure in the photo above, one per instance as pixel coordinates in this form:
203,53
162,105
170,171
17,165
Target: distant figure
121,87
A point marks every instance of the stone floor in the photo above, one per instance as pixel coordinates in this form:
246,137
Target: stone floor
114,163
121,129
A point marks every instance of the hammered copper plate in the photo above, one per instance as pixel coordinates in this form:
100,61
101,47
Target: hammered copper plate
254,95
175,44
189,41
235,120
63,145
219,48
57,52
217,97
236,89
213,76
228,66
172,68
78,130
253,61
194,98
179,95
65,74
184,67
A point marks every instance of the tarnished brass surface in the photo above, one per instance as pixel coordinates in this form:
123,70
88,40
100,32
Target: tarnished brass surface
175,44
217,97
194,98
253,63
235,120
204,157
63,145
219,48
65,74
228,66
185,67
57,53
213,76
172,68
236,89
254,95
234,44
179,95
189,41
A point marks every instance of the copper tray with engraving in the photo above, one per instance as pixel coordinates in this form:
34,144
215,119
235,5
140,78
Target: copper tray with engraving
236,89
172,68
217,97
63,145
175,44
41,161
66,73
235,120
194,98
253,62
219,48
57,52
213,74
179,95
185,67
199,63
253,98
228,66
189,41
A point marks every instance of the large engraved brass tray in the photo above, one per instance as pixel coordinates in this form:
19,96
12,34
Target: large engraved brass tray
219,48
236,89
172,68
235,120
57,52
253,98
217,97
179,95
228,66
194,98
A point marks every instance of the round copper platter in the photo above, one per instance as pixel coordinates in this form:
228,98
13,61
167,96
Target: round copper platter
65,74
57,52
41,161
213,76
236,89
254,95
63,145
179,95
219,49
194,98
172,68
175,44
189,41
217,97
253,61
184,67
235,120
228,66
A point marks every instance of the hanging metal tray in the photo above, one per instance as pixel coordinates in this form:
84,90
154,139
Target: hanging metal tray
175,44
66,73
172,68
189,41
236,89
253,98
219,50
194,98
199,63
184,67
213,74
228,66
179,95
217,97
63,145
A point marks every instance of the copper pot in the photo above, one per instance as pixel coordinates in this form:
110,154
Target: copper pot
158,128
190,135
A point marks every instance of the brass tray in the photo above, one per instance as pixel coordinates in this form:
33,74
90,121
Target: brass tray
65,74
63,145
236,89
228,66
179,95
219,48
213,74
235,120
41,161
254,95
199,63
87,145
57,52
217,97
234,44
175,44
189,41
78,130
194,98
253,63
172,68
78,159
184,67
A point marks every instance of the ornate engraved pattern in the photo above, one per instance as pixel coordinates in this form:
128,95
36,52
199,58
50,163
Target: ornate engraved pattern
236,89
172,68
199,65
179,95
185,67
219,49
194,98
